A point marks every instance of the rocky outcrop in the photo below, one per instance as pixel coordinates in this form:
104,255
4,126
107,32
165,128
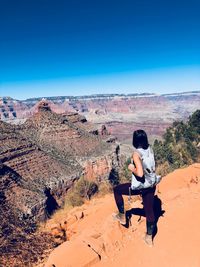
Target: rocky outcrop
11,109
34,171
65,137
39,162
48,152
21,202
98,168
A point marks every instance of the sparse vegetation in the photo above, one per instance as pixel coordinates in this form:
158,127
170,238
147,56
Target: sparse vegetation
180,145
178,148
125,174
19,240
105,187
82,189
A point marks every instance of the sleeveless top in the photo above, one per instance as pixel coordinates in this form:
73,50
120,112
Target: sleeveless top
148,165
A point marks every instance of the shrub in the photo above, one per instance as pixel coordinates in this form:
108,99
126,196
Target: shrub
73,199
82,189
93,189
114,177
125,174
194,121
180,143
105,187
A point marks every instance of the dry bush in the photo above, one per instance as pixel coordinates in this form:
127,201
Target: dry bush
20,244
163,169
105,188
82,189
73,199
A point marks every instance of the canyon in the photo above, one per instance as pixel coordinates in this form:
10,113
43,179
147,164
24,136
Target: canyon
121,114
40,160
46,145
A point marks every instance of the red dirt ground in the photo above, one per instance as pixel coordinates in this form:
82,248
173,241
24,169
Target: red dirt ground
97,240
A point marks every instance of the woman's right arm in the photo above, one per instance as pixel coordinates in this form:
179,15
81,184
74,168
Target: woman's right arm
137,169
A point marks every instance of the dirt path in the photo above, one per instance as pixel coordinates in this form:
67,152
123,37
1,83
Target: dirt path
96,240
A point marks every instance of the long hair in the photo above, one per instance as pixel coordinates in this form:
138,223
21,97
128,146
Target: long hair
140,139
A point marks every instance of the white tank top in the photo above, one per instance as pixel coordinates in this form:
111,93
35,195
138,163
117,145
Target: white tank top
148,164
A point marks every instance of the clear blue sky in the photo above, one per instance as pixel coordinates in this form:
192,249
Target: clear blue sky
62,47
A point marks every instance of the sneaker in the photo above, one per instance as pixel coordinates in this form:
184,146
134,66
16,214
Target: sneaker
148,240
120,217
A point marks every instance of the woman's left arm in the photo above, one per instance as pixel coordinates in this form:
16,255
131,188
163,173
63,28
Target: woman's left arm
137,169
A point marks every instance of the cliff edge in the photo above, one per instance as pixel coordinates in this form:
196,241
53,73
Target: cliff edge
94,239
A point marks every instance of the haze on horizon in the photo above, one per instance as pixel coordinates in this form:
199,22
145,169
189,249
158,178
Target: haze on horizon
51,48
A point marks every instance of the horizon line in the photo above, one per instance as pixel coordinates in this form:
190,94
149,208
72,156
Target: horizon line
103,94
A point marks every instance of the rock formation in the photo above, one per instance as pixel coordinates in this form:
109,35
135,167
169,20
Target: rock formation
32,170
120,114
69,138
22,198
51,151
11,109
40,160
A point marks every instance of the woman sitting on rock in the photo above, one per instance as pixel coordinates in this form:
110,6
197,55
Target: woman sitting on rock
143,183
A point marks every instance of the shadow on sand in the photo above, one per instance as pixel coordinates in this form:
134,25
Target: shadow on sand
140,212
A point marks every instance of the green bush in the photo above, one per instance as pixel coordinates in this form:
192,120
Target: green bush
180,144
194,121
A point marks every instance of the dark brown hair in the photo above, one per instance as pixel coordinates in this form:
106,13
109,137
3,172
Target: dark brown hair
140,139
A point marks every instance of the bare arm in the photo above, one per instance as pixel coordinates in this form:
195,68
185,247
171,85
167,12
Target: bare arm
137,169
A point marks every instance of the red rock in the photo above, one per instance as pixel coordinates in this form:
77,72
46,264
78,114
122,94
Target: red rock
73,254
176,241
71,219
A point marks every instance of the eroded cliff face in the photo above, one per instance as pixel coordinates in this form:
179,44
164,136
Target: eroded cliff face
11,109
33,171
72,139
46,155
39,162
22,199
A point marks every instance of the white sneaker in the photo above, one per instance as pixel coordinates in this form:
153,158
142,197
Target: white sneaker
119,217
148,240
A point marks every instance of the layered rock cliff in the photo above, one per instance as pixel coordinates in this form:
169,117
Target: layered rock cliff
120,113
33,170
51,151
11,109
40,160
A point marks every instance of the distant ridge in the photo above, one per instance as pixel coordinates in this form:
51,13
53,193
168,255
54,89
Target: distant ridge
97,96
184,93
152,112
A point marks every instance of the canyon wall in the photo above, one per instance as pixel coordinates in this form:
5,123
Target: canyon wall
121,114
46,154
39,161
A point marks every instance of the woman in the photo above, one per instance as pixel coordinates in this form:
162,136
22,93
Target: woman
143,183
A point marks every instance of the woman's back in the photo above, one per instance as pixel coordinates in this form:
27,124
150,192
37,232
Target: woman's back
147,159
148,164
